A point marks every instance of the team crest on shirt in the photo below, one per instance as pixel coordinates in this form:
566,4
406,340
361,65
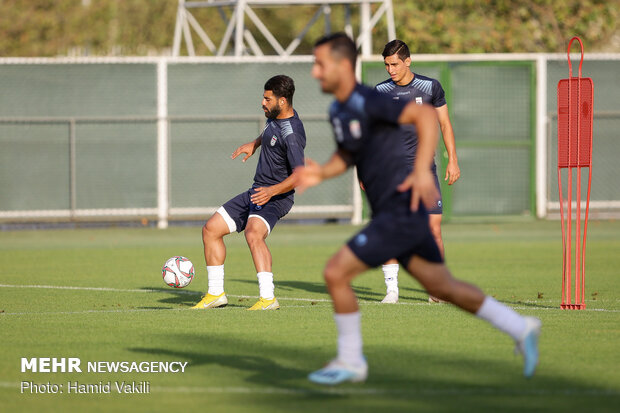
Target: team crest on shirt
418,100
274,139
361,240
355,128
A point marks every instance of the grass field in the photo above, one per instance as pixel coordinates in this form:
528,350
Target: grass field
97,294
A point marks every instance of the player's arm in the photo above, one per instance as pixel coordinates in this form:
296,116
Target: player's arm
453,171
248,148
263,194
313,173
421,181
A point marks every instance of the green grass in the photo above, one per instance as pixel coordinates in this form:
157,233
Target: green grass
422,357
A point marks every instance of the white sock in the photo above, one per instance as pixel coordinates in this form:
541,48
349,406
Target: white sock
349,327
390,273
265,285
215,274
502,317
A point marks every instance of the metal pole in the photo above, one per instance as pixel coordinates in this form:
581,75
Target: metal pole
366,35
239,27
176,43
162,144
72,169
541,136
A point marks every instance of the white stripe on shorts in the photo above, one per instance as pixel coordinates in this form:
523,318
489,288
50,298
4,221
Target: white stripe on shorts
229,221
262,219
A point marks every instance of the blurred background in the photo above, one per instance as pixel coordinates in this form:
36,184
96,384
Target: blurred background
128,110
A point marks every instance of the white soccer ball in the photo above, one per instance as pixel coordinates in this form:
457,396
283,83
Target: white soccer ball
178,272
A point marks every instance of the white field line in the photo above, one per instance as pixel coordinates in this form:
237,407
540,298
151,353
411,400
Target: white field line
368,391
176,291
146,290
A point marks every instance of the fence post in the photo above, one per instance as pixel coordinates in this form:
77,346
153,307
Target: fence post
162,143
72,169
541,136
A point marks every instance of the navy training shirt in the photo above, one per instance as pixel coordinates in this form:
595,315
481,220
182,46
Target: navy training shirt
421,89
282,150
366,127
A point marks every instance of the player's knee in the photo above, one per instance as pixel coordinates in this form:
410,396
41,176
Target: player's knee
332,273
253,234
205,231
210,230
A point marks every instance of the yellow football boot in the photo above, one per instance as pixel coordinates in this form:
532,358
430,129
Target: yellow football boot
263,304
212,301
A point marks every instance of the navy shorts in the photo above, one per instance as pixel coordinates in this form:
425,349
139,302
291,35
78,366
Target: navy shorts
239,209
395,234
438,208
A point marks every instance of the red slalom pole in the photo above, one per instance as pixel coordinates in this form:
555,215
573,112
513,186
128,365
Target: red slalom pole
575,124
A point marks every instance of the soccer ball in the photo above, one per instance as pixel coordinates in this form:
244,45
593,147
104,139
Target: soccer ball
178,272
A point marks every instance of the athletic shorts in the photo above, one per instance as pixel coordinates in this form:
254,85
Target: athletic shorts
395,234
239,209
438,208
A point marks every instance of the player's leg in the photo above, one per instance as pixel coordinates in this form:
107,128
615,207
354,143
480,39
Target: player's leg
350,364
213,233
434,222
390,275
229,218
261,222
438,281
256,232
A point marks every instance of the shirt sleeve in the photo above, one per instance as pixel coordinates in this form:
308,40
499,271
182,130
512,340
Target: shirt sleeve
439,97
294,150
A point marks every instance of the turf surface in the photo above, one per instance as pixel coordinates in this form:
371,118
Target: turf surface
97,294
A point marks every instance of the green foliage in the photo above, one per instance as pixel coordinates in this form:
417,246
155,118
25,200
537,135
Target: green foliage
146,27
479,26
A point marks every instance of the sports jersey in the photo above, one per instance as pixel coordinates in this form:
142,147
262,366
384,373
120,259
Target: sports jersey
282,150
421,90
366,127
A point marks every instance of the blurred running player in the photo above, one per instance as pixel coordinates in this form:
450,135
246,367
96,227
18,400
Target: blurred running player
366,128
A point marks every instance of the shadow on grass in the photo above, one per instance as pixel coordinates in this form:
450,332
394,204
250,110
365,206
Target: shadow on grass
399,378
176,296
363,293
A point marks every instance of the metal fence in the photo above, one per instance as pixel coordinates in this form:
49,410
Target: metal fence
112,138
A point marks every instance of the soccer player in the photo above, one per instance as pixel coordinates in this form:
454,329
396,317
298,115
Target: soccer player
367,133
270,198
404,85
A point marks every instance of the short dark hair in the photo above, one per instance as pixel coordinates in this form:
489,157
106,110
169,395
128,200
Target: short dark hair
341,45
282,86
396,47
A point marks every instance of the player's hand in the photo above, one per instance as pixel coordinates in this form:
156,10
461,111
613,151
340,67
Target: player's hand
248,149
307,176
422,186
262,195
453,172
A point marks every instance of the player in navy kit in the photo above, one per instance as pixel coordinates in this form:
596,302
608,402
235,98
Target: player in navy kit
257,210
366,128
404,85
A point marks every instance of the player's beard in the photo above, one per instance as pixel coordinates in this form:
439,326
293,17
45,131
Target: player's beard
273,113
